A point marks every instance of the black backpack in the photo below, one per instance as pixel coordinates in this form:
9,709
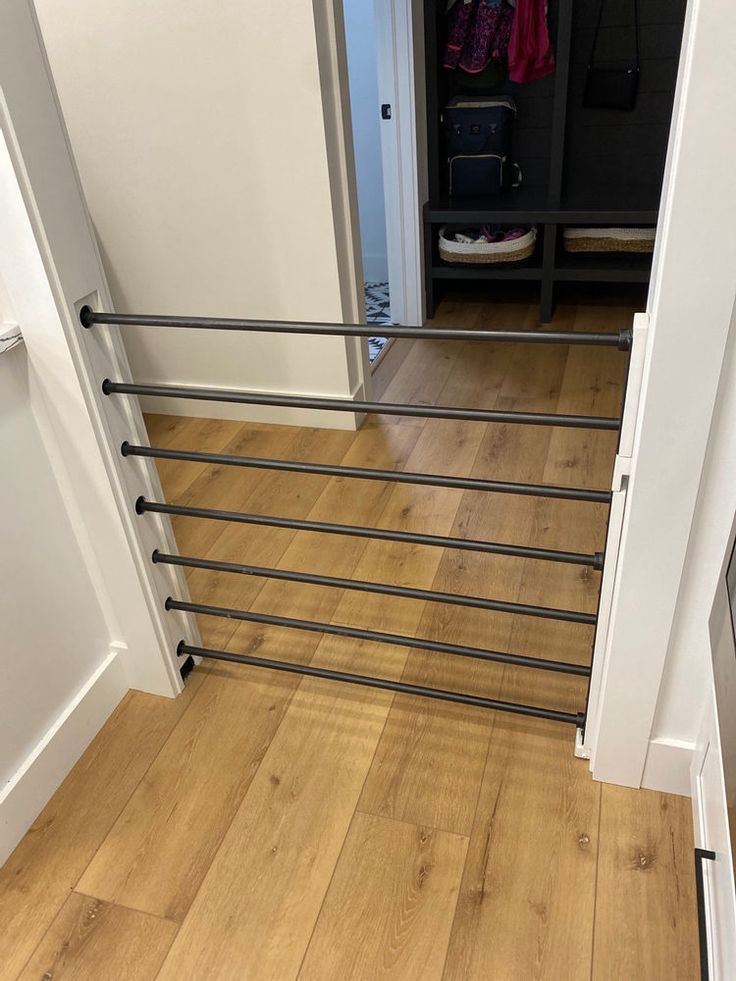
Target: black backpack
478,135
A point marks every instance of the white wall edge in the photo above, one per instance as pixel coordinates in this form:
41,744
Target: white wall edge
332,63
667,767
41,773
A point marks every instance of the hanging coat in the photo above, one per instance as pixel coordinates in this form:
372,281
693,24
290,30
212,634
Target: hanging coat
530,52
478,33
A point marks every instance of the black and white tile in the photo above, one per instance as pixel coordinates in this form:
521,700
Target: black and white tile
378,311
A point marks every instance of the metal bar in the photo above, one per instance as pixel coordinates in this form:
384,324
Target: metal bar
494,548
364,586
369,682
572,616
348,405
399,640
574,558
393,476
620,340
701,855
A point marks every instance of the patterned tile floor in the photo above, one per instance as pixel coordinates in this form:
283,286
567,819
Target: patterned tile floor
377,307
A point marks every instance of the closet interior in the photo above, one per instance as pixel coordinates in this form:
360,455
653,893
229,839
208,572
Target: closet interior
588,128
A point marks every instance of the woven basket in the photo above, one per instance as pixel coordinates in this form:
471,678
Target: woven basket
483,253
608,239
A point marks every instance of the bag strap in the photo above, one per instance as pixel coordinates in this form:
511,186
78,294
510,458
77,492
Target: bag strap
598,29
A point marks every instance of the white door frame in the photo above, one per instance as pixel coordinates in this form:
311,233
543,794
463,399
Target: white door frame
400,69
397,27
652,685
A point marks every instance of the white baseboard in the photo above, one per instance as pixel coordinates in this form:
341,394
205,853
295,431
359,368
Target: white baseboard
272,414
38,777
667,766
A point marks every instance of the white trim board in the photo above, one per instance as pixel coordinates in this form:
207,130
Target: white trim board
333,70
51,759
667,766
397,21
399,56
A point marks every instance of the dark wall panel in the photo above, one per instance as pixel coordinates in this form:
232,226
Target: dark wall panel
602,146
608,146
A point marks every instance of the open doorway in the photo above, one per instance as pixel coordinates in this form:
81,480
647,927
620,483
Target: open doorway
382,80
361,43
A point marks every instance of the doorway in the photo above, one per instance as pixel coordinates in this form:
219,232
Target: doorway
381,76
366,112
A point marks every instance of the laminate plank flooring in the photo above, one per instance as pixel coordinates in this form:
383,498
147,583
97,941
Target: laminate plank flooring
264,826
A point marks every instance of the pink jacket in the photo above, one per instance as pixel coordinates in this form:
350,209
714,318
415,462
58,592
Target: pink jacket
481,31
530,51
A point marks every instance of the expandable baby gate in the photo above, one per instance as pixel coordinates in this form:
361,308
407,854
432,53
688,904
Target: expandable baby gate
110,387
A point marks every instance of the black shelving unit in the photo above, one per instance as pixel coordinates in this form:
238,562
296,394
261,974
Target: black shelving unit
581,166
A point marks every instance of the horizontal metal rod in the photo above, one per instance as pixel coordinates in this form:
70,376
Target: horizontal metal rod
185,650
517,551
348,405
620,340
362,473
364,586
381,534
594,560
419,643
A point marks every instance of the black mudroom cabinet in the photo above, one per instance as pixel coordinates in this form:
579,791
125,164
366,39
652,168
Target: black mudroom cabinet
581,166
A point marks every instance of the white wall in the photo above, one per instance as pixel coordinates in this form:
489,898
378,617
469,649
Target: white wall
53,629
687,669
360,33
655,683
82,616
199,132
54,633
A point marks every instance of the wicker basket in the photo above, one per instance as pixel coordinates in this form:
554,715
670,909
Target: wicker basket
608,239
515,250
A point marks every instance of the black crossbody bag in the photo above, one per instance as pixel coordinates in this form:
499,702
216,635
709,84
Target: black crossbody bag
612,86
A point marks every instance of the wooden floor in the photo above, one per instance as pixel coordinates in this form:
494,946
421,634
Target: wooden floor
267,827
